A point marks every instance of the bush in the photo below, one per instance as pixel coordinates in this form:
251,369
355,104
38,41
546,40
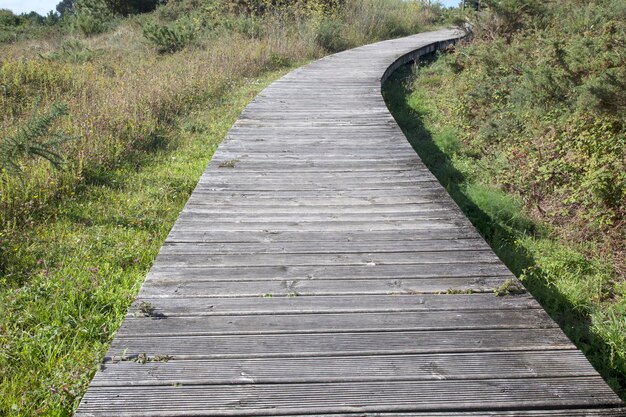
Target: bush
503,18
91,16
65,7
89,25
7,18
538,103
72,51
260,7
543,89
171,37
128,7
329,35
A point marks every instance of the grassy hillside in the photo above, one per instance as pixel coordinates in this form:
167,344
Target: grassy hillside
107,119
526,127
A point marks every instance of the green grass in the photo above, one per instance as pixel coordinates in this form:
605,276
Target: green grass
76,243
582,293
87,257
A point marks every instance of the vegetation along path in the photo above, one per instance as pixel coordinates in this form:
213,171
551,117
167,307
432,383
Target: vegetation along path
320,268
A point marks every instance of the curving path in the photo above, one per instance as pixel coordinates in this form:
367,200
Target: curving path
320,269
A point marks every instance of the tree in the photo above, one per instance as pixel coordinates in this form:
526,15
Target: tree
51,18
474,4
128,7
33,18
65,7
7,18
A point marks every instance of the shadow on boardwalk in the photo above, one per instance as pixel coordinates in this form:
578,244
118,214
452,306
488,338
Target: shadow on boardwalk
574,320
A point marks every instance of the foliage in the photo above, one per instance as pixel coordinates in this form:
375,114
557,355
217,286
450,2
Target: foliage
576,283
551,101
503,18
75,243
7,18
328,35
91,16
526,127
118,7
65,7
260,7
170,37
508,287
72,51
33,139
26,26
128,7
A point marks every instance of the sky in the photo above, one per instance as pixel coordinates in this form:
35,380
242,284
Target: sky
44,6
25,6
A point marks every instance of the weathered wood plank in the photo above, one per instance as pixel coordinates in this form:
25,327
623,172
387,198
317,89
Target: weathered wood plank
337,209
450,366
320,259
434,245
164,273
213,306
339,344
225,236
587,412
318,287
283,399
435,197
317,270
188,216
334,323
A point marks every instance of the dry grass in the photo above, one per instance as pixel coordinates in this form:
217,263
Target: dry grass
119,100
75,243
121,93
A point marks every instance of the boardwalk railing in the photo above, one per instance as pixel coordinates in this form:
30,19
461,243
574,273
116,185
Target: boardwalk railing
320,269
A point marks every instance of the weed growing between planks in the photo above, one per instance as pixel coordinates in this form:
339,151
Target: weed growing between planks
582,293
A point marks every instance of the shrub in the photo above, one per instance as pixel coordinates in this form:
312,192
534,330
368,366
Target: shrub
542,89
128,7
329,35
72,51
7,18
383,19
249,26
91,16
503,18
169,37
89,25
260,7
65,7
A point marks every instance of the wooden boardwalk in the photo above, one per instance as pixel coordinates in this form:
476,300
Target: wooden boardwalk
317,270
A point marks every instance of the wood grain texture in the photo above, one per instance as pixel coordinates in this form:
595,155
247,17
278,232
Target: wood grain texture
451,366
320,269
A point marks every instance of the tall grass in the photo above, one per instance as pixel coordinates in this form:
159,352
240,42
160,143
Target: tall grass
526,127
120,92
576,283
75,242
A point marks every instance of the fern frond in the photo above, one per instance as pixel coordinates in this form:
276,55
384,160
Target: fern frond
34,140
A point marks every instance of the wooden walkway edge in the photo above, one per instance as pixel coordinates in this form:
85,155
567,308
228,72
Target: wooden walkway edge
320,269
